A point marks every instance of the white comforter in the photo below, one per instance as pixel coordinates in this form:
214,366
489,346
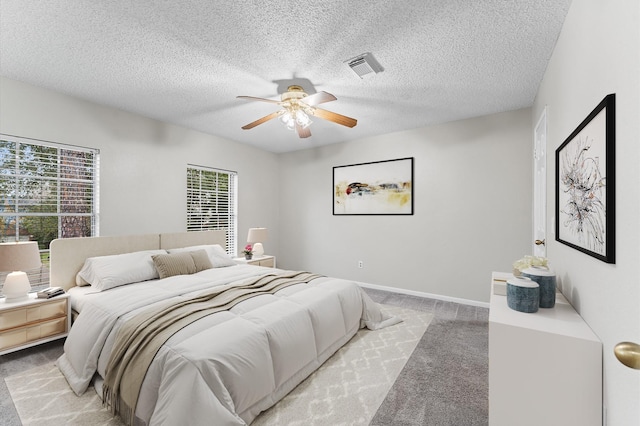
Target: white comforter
227,367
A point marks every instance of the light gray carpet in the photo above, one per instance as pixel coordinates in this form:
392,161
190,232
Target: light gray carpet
436,400
445,382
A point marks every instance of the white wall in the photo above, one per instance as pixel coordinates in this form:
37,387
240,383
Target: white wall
142,161
598,53
472,211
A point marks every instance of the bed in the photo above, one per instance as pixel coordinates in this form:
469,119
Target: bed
169,330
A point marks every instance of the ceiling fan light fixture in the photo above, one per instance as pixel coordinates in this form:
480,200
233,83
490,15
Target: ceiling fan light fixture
296,109
293,116
288,120
285,117
302,119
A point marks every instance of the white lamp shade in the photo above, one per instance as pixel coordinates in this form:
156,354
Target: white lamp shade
257,236
18,257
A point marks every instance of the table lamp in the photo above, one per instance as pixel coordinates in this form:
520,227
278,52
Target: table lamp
18,257
256,237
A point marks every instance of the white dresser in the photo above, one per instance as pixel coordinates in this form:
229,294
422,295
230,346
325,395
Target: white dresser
545,368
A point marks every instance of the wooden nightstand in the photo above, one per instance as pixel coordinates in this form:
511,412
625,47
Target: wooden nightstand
267,261
33,321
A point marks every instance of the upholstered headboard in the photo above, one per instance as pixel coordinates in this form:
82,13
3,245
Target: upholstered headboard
68,254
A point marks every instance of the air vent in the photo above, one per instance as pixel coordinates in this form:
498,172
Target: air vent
364,65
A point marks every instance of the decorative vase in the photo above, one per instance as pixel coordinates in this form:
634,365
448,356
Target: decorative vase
546,279
523,295
248,256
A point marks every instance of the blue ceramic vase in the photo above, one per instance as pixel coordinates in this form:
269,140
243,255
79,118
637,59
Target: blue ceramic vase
523,294
546,279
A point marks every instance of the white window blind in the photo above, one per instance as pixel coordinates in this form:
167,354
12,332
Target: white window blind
211,202
47,191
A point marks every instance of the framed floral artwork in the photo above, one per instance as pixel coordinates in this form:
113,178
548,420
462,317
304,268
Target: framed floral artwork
585,185
376,188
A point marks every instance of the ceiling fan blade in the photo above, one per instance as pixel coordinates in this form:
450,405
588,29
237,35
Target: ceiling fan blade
262,120
318,98
253,98
335,117
303,132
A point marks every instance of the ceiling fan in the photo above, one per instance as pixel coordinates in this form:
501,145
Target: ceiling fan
297,107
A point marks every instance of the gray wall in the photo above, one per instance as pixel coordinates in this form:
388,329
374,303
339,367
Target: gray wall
472,212
143,161
597,53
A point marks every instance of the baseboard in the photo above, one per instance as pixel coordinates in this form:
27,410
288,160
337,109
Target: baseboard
427,295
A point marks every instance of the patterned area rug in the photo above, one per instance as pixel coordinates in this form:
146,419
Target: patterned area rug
43,397
346,390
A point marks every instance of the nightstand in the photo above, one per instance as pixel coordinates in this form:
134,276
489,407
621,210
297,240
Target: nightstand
33,321
267,261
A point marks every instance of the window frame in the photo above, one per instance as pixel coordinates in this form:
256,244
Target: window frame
199,221
47,171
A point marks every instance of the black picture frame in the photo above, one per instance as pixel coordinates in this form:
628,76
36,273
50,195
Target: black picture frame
374,188
585,185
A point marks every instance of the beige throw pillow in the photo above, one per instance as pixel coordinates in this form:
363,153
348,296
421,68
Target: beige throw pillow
201,260
184,263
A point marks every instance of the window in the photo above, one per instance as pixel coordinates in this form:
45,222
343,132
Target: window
211,202
47,191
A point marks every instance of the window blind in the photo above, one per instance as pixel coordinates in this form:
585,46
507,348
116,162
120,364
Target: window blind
47,191
211,202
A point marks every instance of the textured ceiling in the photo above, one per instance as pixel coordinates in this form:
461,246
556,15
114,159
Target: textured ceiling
185,62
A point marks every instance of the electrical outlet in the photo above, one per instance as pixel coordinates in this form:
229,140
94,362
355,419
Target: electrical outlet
360,264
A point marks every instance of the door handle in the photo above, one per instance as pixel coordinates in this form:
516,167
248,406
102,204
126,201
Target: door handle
540,242
628,353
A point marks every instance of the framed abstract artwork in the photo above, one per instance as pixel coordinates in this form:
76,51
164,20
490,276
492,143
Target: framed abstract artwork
585,185
376,188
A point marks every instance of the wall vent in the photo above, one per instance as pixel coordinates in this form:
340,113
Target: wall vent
364,65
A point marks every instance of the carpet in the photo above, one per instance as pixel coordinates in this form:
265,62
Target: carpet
345,390
446,380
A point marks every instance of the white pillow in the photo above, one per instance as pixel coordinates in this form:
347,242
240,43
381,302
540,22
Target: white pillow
80,282
105,272
218,257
